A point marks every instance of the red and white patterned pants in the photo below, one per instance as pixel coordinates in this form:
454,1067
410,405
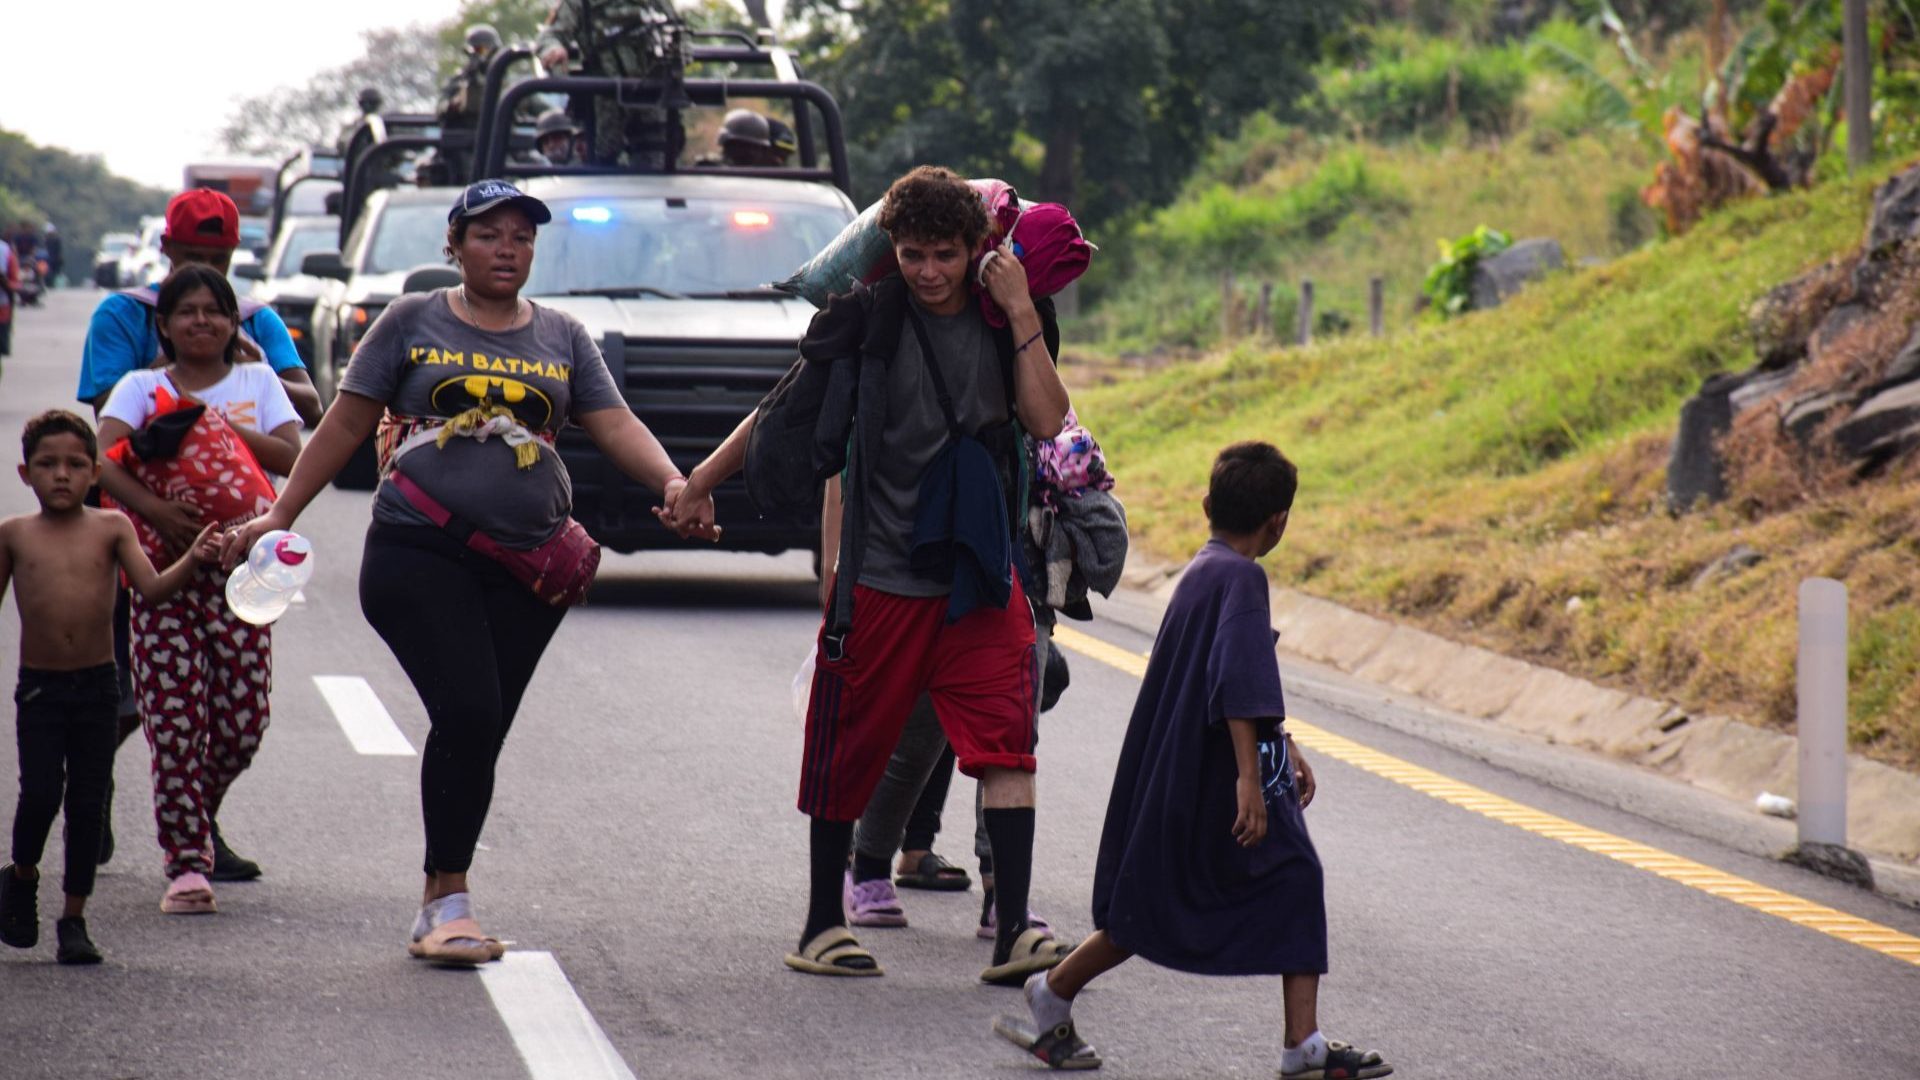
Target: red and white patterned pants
201,677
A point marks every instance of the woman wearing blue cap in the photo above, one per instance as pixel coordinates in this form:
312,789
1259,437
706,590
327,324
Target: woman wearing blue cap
468,386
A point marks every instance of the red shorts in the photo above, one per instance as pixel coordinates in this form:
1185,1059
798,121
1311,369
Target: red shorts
981,672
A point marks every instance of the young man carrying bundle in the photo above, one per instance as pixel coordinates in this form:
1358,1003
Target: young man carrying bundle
925,598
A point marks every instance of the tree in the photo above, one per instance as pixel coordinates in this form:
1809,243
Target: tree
1104,104
518,22
78,194
401,63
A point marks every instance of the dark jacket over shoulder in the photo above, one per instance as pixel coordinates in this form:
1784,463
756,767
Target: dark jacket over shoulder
828,415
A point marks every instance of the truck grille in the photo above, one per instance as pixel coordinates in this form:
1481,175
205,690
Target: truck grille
692,394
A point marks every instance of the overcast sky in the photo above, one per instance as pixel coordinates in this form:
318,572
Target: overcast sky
147,85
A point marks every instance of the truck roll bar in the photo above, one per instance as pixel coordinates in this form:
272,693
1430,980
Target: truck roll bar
491,161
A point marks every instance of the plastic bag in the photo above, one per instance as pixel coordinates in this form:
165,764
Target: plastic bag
803,684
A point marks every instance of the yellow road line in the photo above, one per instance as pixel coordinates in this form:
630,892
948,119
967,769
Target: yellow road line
1829,921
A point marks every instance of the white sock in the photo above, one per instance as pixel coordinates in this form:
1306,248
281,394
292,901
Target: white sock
1050,1010
1310,1054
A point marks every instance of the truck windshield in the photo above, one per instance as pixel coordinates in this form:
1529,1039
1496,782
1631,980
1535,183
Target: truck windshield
306,237
407,236
661,245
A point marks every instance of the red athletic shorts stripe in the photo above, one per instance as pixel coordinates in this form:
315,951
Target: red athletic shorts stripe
981,673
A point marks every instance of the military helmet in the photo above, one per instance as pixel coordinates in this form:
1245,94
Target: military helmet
371,99
483,36
554,121
745,126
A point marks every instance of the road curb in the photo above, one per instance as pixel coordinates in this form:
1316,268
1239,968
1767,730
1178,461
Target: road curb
1718,754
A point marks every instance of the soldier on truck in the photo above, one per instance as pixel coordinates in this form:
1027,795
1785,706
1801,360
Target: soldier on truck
623,39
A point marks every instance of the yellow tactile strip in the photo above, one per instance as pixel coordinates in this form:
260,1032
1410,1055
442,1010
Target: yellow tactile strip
1826,920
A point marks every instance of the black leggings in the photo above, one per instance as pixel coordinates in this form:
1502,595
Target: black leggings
469,637
924,823
66,741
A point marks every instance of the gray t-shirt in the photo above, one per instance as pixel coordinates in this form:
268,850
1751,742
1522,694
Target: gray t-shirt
916,432
424,361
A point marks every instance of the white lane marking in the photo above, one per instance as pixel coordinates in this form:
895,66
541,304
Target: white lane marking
299,596
556,1036
369,727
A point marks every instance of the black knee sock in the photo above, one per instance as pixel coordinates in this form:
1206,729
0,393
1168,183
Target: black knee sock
868,868
1011,833
827,848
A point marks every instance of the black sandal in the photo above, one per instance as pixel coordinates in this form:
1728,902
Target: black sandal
1060,1046
1344,1062
935,874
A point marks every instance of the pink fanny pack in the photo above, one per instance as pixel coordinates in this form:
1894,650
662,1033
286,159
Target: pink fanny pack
559,571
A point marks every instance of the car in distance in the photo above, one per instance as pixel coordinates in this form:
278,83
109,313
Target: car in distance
279,282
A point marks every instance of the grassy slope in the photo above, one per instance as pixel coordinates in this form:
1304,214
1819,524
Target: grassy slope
1537,184
1473,478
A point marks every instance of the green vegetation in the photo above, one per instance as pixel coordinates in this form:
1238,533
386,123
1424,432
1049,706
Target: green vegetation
1423,86
1474,476
82,197
1384,208
1449,283
1410,141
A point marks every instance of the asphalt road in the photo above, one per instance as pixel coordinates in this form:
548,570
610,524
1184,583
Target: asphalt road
643,836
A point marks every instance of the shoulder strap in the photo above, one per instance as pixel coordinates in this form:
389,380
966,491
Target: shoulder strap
460,527
933,369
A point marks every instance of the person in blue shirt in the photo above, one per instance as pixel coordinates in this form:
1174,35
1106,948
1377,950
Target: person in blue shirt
203,226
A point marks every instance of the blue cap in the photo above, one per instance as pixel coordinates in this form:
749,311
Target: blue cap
487,194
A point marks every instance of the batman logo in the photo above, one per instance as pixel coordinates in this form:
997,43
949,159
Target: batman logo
529,405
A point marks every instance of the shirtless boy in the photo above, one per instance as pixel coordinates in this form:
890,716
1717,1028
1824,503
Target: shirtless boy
63,560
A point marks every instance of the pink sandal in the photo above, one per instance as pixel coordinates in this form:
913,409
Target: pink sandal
457,943
189,894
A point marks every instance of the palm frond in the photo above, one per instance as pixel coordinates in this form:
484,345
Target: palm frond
1731,81
1606,101
1623,38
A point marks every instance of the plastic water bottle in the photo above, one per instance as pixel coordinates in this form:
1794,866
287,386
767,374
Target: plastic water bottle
260,589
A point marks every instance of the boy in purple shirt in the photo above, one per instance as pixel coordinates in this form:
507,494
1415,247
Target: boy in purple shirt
1205,864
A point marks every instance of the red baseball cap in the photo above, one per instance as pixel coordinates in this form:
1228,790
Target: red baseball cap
203,217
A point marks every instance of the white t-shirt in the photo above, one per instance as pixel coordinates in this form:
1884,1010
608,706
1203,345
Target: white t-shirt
250,397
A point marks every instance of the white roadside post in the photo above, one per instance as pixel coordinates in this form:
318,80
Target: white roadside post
1823,712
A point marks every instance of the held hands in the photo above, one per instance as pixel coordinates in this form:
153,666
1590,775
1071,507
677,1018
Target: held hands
1006,281
688,510
554,58
206,546
1250,824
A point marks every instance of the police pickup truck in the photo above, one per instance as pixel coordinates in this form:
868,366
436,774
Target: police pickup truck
665,257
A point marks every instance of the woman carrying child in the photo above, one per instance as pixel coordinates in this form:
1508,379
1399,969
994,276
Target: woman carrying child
201,675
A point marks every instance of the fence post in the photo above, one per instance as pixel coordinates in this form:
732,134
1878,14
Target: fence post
1822,678
1263,315
1226,306
1377,306
1306,312
1859,84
